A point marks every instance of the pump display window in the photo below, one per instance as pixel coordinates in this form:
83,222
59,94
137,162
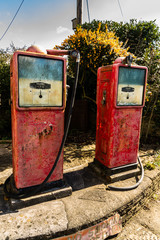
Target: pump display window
40,82
130,86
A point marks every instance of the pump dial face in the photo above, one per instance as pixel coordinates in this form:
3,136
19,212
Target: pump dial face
130,86
40,81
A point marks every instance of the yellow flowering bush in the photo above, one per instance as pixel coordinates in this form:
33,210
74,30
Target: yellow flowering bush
96,48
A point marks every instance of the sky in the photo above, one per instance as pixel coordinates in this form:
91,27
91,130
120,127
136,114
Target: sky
47,23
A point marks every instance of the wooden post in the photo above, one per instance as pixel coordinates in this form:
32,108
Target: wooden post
79,11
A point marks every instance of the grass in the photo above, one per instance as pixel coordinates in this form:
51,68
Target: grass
153,164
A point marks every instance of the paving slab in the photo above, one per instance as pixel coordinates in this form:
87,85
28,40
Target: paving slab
145,224
136,231
39,220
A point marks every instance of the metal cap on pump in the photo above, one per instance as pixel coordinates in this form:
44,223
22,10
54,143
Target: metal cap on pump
125,60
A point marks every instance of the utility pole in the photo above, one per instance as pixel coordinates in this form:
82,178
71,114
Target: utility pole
79,11
78,19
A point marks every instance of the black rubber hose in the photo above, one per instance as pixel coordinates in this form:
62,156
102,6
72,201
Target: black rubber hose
130,187
40,187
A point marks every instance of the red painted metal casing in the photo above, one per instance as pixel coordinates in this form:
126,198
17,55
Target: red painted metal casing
37,131
118,126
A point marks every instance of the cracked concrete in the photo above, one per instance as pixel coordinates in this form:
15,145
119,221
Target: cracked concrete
90,203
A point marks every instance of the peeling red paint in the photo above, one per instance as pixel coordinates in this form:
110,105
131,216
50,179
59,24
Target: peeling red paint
118,127
36,135
101,231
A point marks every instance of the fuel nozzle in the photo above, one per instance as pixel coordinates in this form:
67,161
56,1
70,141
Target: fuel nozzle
72,53
128,60
75,54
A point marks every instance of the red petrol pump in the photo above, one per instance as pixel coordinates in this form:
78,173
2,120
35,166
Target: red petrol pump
38,100
120,101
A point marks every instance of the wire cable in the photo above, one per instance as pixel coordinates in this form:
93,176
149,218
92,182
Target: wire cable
12,20
133,186
88,10
120,7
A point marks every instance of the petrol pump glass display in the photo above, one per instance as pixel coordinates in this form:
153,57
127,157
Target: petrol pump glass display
40,81
130,86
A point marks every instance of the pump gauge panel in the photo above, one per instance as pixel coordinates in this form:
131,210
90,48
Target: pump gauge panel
40,81
131,83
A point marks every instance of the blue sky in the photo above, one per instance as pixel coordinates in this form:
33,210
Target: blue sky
46,23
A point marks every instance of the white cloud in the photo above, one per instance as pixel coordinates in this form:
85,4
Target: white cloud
61,29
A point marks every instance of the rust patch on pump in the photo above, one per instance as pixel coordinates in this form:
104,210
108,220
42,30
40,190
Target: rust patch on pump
45,132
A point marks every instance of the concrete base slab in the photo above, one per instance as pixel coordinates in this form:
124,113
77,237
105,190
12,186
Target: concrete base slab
39,198
111,178
124,175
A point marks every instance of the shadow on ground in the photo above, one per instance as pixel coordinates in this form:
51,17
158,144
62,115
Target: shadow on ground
5,156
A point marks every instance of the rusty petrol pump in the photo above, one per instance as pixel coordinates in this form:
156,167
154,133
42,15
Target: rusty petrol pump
38,100
120,101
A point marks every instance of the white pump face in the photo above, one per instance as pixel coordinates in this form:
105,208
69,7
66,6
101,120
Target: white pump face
130,86
40,81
